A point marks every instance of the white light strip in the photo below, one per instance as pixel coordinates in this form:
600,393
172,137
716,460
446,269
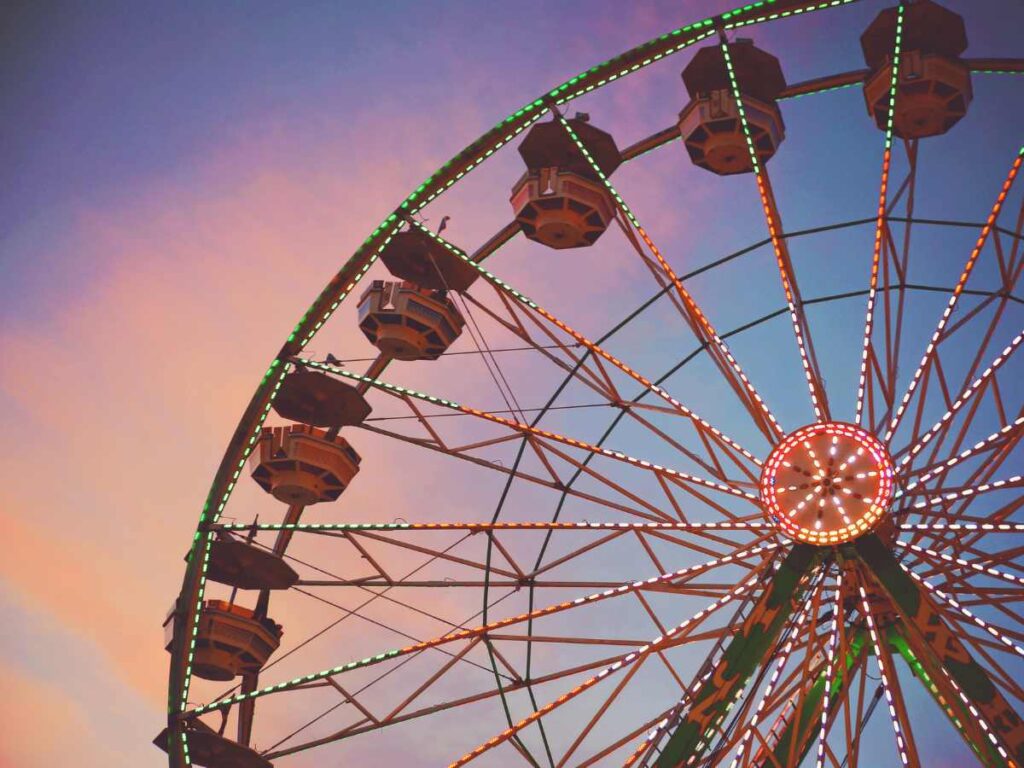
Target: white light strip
873,631
830,669
952,601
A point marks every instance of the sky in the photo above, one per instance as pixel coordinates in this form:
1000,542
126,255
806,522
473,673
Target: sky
180,180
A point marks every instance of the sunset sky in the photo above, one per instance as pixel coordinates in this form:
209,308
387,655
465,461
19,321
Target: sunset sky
181,179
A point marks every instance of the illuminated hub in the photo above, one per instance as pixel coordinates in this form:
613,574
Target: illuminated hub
827,483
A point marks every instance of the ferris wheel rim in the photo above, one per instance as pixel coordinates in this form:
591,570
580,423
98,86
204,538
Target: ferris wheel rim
277,369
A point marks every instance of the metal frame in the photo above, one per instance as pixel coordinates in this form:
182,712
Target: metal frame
706,718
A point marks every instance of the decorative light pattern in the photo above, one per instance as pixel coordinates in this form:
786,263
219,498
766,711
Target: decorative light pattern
483,629
884,674
966,453
694,309
994,527
967,394
630,658
883,191
987,570
497,526
817,392
957,290
963,493
826,484
954,603
581,339
527,429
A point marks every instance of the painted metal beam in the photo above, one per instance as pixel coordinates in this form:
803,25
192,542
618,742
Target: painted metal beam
741,658
931,638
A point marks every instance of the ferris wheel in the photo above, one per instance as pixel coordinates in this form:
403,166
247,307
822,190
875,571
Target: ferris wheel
792,540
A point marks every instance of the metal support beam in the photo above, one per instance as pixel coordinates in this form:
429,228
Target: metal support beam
747,650
947,699
804,729
930,637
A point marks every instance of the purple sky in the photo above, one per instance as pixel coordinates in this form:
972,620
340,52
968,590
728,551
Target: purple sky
181,179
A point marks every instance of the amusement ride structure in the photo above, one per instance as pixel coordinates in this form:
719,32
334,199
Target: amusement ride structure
815,593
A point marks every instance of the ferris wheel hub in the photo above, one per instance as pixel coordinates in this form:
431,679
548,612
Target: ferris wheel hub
827,483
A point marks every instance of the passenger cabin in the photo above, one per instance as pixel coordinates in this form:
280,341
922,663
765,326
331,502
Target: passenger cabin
231,641
934,85
301,465
407,322
320,400
415,256
561,201
208,749
244,565
710,124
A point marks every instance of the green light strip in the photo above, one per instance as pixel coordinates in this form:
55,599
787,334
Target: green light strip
784,14
613,526
894,80
275,373
900,644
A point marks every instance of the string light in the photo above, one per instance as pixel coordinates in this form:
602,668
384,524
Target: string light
465,634
883,191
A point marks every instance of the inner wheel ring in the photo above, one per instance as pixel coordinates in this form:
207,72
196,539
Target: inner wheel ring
827,483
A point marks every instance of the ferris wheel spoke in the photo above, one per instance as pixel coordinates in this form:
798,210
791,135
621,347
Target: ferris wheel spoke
948,494
633,659
869,355
674,578
994,442
598,757
958,619
930,357
598,380
941,650
897,712
762,708
648,512
500,525
947,526
750,709
697,717
961,562
794,301
998,448
545,436
374,724
954,604
888,291
695,316
838,617
986,380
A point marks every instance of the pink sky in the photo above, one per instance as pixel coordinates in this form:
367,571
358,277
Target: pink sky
143,310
